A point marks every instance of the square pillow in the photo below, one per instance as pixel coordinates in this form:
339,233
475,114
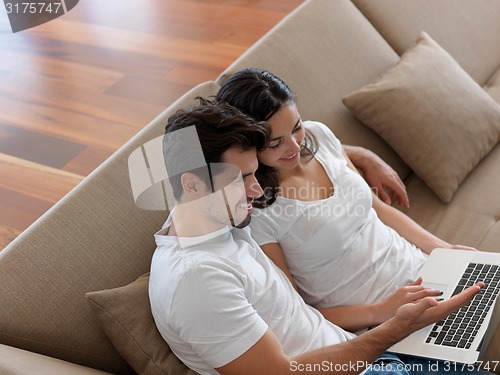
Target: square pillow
432,113
125,315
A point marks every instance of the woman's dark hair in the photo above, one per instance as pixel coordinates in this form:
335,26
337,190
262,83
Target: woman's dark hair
219,127
259,94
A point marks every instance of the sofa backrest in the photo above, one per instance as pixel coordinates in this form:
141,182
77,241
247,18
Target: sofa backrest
95,238
324,50
468,30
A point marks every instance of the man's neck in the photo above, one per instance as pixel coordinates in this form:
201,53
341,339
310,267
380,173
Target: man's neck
171,230
187,223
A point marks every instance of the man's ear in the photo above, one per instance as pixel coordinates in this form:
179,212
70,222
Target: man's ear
191,183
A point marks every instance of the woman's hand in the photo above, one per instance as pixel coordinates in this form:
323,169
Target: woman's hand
457,247
410,293
462,247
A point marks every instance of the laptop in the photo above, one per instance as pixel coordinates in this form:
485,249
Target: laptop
464,335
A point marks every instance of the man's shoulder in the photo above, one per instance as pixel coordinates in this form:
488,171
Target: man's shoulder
227,261
182,263
178,284
171,267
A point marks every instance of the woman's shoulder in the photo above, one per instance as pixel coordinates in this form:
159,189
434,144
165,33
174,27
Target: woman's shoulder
264,225
276,219
323,135
316,126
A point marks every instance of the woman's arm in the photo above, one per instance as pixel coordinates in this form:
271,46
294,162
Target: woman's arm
275,253
407,228
357,317
351,318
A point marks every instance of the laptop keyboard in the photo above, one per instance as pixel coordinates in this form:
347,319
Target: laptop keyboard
461,327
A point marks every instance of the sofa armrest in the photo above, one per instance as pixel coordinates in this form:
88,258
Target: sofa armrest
14,361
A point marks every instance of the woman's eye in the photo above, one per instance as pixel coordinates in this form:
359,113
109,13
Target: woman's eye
297,128
274,147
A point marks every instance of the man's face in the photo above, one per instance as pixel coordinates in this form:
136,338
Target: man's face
238,186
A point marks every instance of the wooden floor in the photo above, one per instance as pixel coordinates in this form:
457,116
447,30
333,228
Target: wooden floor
75,89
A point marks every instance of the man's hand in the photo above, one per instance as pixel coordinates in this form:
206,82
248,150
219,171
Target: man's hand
379,175
414,316
387,182
410,293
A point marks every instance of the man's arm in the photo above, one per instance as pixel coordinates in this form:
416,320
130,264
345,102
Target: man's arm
267,356
378,174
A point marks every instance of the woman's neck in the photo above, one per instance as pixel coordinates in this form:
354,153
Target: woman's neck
307,182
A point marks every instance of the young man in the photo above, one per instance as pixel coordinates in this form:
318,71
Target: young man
219,302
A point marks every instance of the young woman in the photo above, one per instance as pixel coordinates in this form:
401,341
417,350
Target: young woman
319,221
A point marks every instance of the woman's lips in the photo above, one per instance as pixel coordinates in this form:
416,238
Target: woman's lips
290,158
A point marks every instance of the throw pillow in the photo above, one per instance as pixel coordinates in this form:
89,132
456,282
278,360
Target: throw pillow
432,113
125,315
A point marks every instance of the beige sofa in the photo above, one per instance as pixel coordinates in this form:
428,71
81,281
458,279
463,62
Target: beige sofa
96,238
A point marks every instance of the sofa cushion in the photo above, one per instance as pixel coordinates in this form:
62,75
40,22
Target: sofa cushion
324,50
468,30
84,243
437,118
124,313
492,87
473,217
14,361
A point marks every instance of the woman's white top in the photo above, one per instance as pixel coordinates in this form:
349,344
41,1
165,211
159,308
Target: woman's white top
337,249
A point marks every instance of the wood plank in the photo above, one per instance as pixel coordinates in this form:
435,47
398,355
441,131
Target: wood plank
191,74
8,233
88,160
189,19
35,180
66,94
22,67
167,19
50,151
164,47
70,125
21,214
91,55
136,88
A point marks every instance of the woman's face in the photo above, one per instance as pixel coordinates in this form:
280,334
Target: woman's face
287,133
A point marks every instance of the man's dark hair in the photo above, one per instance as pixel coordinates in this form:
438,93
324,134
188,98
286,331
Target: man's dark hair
219,127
